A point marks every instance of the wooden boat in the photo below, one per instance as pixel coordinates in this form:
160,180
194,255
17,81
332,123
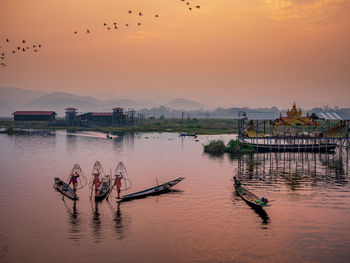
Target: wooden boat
250,198
104,188
187,134
64,189
159,189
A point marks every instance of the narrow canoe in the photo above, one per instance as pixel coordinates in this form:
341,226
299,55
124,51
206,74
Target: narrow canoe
104,188
159,189
64,189
248,196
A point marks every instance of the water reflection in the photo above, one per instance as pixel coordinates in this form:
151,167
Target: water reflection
124,140
71,142
259,211
296,170
74,220
96,222
118,219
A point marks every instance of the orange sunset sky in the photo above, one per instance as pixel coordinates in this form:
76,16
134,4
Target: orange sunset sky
227,53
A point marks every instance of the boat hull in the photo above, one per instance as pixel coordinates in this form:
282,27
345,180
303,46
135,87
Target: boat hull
157,190
64,189
250,198
103,189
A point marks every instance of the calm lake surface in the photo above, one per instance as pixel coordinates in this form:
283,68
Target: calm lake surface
203,221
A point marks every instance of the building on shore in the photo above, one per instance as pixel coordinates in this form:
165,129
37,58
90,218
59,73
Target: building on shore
117,118
34,117
71,116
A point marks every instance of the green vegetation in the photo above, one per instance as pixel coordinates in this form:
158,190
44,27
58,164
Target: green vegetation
234,147
198,126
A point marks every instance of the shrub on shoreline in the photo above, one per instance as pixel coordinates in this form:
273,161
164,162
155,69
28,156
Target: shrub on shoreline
233,147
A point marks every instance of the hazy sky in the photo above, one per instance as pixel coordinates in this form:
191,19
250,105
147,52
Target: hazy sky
228,52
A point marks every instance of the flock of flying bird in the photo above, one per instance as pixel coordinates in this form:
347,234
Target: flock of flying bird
19,48
25,47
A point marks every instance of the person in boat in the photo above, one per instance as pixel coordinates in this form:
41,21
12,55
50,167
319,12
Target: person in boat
74,181
96,182
237,182
118,182
264,200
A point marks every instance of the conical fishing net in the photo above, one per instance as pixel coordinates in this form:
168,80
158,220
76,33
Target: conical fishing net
121,171
96,170
82,180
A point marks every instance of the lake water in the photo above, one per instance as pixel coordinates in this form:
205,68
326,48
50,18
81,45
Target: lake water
203,221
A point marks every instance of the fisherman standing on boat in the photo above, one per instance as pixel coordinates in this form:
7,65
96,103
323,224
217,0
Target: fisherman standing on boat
74,180
118,182
96,182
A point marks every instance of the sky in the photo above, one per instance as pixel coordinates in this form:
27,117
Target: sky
256,53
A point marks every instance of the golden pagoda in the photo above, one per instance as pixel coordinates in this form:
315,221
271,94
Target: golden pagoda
294,117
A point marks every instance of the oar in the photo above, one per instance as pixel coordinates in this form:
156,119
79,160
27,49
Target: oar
110,176
92,187
109,192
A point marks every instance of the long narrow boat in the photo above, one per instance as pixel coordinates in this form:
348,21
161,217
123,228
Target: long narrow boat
159,189
64,189
252,199
104,188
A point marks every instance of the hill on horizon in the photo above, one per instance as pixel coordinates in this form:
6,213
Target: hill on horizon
184,104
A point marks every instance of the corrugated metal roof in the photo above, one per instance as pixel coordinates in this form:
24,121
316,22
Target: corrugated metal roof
34,113
333,115
259,115
102,114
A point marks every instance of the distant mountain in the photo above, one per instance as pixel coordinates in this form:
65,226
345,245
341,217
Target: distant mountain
184,104
12,99
61,96
19,96
127,103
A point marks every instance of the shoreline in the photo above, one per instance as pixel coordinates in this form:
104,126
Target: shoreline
199,127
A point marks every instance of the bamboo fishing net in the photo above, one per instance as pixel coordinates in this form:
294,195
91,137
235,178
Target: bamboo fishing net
121,171
82,180
96,170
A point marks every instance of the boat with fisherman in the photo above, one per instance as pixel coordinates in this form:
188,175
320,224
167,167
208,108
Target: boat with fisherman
250,198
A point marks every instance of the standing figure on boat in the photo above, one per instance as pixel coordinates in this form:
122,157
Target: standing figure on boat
118,182
96,182
74,181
